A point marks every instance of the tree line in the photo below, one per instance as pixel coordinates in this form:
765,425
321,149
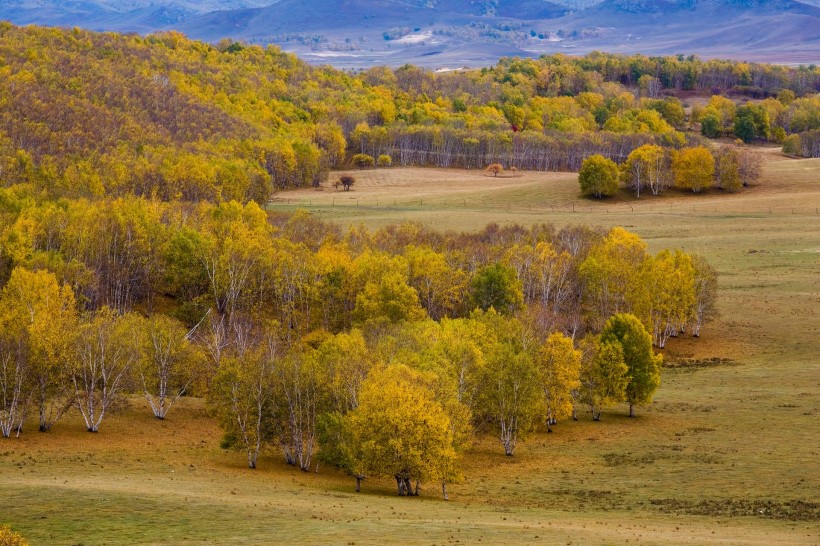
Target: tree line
654,169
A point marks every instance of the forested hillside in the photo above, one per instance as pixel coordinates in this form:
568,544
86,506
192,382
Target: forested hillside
88,114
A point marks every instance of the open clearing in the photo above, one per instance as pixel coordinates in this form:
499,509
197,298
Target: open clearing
727,453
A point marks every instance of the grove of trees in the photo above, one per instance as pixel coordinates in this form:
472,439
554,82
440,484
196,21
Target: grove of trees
383,352
656,169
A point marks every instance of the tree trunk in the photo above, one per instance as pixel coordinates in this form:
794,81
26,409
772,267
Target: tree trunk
631,410
358,484
444,489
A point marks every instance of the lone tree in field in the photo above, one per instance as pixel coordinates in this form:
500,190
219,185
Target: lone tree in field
346,181
643,366
598,176
495,169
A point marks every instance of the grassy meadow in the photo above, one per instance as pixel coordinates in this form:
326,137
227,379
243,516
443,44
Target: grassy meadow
727,453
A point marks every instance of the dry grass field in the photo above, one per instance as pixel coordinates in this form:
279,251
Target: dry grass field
728,452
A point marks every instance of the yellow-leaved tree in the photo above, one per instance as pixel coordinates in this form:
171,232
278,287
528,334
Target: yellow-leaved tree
694,168
609,271
559,365
105,353
399,429
603,376
38,318
170,362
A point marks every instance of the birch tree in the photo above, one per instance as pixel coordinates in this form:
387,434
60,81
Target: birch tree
598,176
558,364
694,168
39,317
302,396
510,394
170,363
105,356
705,287
400,430
602,378
643,366
13,384
242,395
609,271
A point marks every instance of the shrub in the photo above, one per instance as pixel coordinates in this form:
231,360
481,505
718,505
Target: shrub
346,181
384,160
10,538
495,169
363,161
792,145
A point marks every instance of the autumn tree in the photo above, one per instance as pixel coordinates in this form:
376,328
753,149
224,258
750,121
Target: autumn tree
302,395
11,538
387,299
750,166
558,364
495,169
400,430
440,286
38,318
603,375
346,181
231,248
14,383
609,272
693,168
598,176
663,294
362,161
647,166
510,394
170,362
706,290
497,286
344,361
242,395
643,366
727,169
106,353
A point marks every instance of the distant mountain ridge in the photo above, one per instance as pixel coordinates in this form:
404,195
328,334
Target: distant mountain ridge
451,33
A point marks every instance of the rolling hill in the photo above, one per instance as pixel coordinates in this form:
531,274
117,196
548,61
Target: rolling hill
454,33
